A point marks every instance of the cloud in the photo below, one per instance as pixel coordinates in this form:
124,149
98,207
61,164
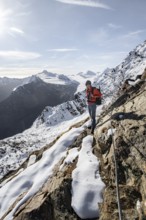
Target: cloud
62,50
136,32
19,55
89,3
16,30
133,34
114,26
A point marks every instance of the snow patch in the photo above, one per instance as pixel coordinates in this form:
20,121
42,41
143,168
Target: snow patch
110,132
29,180
87,185
32,160
72,154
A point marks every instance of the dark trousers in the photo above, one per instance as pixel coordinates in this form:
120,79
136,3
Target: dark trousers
92,113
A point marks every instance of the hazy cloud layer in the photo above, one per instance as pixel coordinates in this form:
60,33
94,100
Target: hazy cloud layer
88,3
114,26
17,30
19,55
63,50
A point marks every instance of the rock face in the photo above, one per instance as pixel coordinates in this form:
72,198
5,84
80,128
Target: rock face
127,118
53,201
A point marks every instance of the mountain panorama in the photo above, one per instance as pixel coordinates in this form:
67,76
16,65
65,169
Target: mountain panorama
52,168
28,98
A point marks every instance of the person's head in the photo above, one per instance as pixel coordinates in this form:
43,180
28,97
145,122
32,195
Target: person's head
88,83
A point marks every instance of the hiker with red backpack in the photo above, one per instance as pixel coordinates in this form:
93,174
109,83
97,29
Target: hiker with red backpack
93,96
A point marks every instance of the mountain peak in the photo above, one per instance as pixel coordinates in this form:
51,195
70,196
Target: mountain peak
47,74
87,74
54,78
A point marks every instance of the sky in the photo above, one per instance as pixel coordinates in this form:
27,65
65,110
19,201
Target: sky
68,36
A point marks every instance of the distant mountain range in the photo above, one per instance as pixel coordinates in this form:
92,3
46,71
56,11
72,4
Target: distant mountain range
87,74
19,110
7,85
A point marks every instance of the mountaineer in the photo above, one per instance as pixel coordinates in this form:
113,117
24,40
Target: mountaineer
93,96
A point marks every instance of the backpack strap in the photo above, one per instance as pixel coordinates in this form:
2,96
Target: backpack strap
97,89
93,89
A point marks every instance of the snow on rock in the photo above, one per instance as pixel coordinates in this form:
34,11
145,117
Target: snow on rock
29,180
111,80
63,112
110,132
32,160
87,185
15,150
71,156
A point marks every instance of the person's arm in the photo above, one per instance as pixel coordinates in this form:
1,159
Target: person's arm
87,93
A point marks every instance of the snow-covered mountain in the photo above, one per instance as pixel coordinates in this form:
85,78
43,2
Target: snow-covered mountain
27,101
55,78
87,74
56,129
82,77
134,64
47,77
7,85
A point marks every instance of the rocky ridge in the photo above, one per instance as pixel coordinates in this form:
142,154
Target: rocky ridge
128,119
